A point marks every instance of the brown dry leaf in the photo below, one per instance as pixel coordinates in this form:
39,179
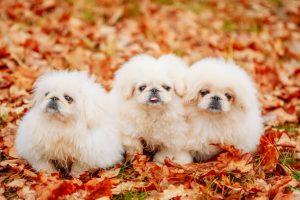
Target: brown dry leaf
29,174
109,173
27,193
177,192
128,186
2,197
279,183
285,140
234,160
16,183
283,116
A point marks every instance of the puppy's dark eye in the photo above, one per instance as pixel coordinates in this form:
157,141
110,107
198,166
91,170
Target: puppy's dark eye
166,87
204,92
46,94
142,88
68,98
228,96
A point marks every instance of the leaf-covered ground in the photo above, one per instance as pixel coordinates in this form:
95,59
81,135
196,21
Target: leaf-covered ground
263,36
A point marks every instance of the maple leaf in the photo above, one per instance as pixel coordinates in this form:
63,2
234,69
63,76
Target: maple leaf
278,185
233,160
268,151
102,189
65,188
129,186
150,170
230,163
177,192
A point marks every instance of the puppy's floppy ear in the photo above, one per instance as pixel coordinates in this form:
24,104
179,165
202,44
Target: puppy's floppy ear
126,77
127,90
191,93
179,86
39,87
123,84
176,69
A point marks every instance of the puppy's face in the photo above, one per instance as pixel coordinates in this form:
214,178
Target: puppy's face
60,95
216,87
215,100
151,82
58,102
153,93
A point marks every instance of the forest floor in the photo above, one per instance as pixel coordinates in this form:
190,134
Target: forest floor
263,36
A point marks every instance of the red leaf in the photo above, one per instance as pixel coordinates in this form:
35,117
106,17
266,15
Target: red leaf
102,189
279,184
229,148
209,173
4,53
268,150
65,188
170,163
150,187
32,44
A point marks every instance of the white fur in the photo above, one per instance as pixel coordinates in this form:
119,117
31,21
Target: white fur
162,126
240,122
82,133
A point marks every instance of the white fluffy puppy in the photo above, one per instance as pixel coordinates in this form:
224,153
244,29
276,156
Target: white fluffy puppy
222,107
69,123
150,107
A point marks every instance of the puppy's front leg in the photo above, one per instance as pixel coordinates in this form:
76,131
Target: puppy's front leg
132,145
183,157
42,165
161,155
180,157
78,169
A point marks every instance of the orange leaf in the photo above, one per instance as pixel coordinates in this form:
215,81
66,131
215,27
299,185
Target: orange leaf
279,184
268,150
102,189
65,188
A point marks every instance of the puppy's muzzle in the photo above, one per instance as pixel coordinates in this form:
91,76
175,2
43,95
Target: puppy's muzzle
215,104
52,105
154,97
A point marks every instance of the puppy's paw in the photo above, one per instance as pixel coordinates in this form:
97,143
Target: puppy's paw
183,157
132,146
161,155
78,169
132,151
43,165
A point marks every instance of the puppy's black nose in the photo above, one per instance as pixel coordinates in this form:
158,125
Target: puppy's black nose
154,90
52,105
215,98
54,99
